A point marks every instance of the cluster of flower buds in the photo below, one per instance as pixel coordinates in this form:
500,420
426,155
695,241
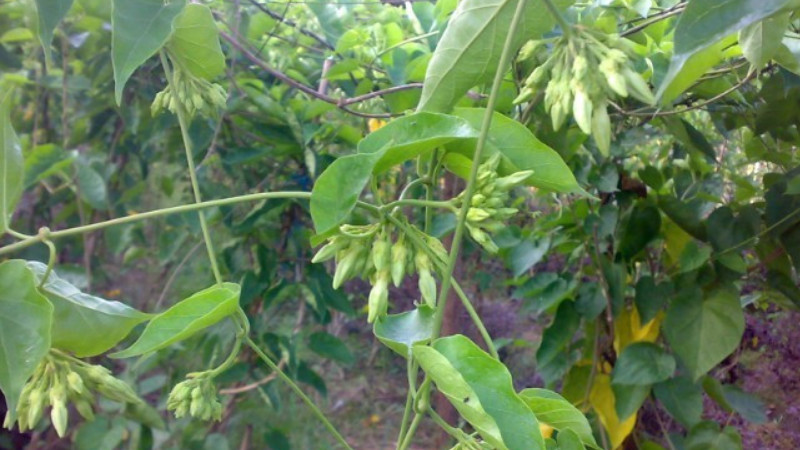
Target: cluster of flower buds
371,253
60,379
196,95
584,71
487,210
196,396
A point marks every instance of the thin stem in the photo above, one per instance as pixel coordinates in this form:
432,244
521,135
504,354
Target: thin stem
565,27
188,146
50,262
424,203
411,431
505,58
230,360
411,372
17,234
310,403
27,242
430,187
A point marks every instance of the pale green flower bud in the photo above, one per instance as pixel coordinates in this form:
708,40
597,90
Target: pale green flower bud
84,408
381,253
75,382
59,416
601,129
347,264
582,111
427,287
516,178
379,296
477,214
399,260
637,87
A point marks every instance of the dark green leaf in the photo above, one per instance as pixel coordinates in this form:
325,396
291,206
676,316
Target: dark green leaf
554,410
50,13
685,215
527,253
469,51
481,389
642,363
682,399
11,166
185,318
44,161
401,331
707,436
25,321
91,186
329,346
139,29
694,256
642,227
703,331
651,297
84,324
628,398
195,42
557,337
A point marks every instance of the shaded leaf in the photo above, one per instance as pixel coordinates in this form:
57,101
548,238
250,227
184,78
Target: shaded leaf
195,42
329,346
50,13
642,363
682,398
84,324
401,331
11,166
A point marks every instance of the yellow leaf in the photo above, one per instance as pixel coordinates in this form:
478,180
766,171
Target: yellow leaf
602,399
628,329
547,430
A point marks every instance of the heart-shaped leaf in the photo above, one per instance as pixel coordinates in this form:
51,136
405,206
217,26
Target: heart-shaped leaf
401,331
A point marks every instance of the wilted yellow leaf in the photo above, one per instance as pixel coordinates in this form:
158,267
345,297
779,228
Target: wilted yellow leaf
602,399
629,329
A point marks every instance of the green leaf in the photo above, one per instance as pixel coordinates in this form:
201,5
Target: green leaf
762,40
642,363
682,398
91,186
407,137
695,67
642,227
401,331
694,256
706,22
44,161
481,389
521,150
11,166
195,42
707,436
185,318
732,398
469,51
651,297
50,14
25,321
329,346
704,331
628,398
555,339
556,411
84,324
569,440
336,191
139,28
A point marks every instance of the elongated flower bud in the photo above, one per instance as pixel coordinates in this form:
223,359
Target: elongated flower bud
59,416
601,129
379,296
399,261
637,87
582,111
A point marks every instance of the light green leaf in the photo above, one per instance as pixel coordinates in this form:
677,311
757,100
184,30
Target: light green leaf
481,389
704,331
569,440
139,28
520,150
554,410
84,324
706,22
407,137
195,42
25,321
185,318
469,51
336,191
762,40
401,331
51,13
11,166
642,363
693,68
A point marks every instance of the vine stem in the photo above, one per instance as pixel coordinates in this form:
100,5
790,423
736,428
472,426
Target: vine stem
505,58
188,147
412,429
310,403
